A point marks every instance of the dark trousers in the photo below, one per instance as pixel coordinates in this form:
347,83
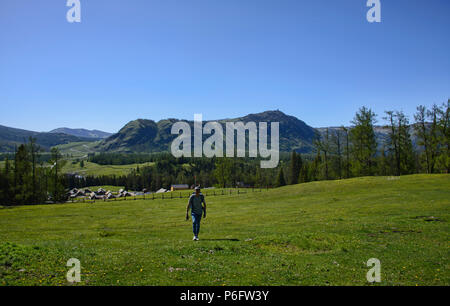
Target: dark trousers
196,223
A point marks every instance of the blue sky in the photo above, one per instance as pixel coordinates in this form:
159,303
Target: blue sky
317,60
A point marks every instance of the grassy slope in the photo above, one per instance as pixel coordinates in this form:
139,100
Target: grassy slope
96,169
319,233
78,149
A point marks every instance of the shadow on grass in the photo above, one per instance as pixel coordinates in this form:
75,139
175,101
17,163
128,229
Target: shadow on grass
221,239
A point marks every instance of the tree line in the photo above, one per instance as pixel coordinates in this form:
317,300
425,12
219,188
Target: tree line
129,158
343,152
27,179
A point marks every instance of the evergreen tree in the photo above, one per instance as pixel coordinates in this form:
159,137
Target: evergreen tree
34,151
363,142
337,139
294,168
57,181
426,127
421,129
322,145
5,188
347,151
280,178
22,176
444,137
313,169
406,152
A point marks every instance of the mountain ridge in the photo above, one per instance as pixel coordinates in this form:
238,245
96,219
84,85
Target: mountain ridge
145,135
148,136
81,132
11,137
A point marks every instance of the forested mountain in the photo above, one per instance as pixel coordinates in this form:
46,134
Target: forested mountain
144,135
12,137
82,132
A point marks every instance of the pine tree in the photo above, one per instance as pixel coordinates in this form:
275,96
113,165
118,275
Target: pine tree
337,139
280,178
426,127
363,142
406,152
34,150
347,151
6,192
322,145
444,137
22,176
303,175
421,129
57,181
294,168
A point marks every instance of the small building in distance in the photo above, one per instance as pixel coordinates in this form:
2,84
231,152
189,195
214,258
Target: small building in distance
179,187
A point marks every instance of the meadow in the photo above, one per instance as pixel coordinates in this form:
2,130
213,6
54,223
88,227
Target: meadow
78,149
97,170
318,233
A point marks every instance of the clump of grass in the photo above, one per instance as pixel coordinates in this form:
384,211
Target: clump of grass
14,259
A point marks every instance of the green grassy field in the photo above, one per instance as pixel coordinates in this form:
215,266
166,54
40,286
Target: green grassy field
96,169
319,233
78,149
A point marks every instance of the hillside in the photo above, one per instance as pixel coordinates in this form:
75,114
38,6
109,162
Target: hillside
319,233
381,133
94,169
82,133
11,137
144,135
149,136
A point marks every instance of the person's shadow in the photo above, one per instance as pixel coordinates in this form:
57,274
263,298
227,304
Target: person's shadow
221,239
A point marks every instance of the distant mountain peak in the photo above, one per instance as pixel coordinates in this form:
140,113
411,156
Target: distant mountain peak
144,135
82,132
10,138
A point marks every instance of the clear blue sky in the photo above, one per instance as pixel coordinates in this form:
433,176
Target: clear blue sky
317,60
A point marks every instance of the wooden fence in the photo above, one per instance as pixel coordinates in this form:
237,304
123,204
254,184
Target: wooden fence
173,195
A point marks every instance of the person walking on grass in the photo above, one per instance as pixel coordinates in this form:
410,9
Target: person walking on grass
195,204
